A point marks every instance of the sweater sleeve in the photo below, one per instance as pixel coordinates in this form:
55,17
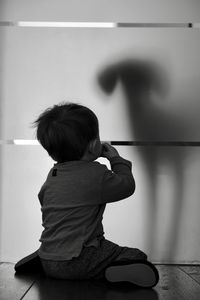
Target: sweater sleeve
118,183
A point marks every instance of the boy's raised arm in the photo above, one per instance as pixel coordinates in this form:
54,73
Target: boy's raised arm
118,183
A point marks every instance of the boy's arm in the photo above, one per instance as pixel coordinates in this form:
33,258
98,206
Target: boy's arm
118,183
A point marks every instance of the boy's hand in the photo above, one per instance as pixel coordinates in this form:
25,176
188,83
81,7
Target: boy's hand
108,151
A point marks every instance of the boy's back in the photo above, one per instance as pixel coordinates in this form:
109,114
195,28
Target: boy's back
73,200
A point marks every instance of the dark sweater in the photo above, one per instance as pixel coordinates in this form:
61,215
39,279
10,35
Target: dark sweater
73,199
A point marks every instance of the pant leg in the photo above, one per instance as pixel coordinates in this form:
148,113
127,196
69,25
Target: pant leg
92,262
126,255
130,254
88,264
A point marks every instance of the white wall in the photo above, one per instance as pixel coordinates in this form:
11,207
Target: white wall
43,66
93,10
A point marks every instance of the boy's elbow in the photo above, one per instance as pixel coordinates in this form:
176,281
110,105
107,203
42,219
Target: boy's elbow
130,187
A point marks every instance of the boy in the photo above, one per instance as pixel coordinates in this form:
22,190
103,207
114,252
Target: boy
73,199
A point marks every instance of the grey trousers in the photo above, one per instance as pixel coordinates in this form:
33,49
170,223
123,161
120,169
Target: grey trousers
92,262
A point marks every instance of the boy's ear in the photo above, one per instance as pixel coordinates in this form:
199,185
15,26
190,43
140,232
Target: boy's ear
92,146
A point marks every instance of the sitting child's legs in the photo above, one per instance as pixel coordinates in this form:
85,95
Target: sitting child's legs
98,263
90,263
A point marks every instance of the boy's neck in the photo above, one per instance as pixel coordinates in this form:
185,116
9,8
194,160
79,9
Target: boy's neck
87,157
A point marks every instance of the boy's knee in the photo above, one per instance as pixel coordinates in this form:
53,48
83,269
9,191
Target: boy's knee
131,254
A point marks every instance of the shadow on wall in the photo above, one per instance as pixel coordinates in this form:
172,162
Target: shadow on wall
145,85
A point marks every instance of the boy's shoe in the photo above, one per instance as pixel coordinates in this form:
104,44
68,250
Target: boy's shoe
141,273
29,264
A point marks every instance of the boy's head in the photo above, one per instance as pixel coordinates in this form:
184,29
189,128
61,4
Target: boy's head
69,131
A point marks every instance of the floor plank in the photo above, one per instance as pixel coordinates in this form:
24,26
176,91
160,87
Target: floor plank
175,284
192,271
13,286
51,289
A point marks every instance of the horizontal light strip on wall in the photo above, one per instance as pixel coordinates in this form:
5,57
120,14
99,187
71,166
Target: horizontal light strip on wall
25,142
68,24
99,24
157,143
60,24
21,142
164,25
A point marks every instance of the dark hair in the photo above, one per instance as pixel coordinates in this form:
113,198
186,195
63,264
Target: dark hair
65,130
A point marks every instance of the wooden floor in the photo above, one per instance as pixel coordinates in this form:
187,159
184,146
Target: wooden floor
176,283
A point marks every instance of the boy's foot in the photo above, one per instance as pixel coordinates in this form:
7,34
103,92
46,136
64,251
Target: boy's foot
141,273
29,264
